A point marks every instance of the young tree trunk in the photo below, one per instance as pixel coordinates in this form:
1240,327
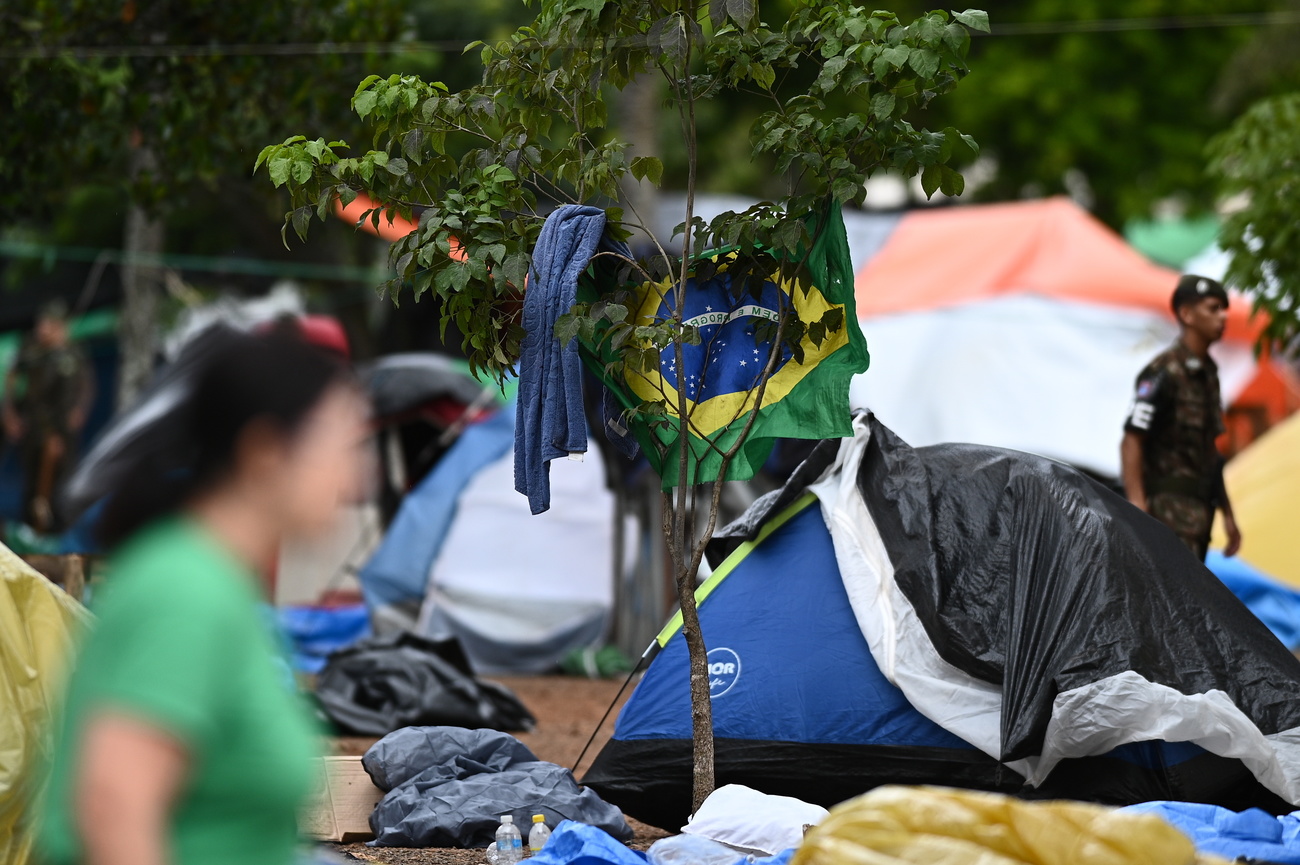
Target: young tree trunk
686,548
141,288
703,779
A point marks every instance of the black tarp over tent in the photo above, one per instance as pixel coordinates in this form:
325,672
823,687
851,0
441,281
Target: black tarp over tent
1020,606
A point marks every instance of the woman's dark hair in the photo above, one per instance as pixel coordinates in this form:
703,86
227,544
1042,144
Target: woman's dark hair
274,377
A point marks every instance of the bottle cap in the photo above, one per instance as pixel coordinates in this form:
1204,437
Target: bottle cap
507,818
539,818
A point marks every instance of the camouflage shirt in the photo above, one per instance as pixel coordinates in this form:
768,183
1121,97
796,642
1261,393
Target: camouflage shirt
1177,410
51,382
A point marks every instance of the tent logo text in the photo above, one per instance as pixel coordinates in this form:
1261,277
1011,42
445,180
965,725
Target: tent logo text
724,671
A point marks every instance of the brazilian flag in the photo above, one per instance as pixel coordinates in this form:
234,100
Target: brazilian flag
805,399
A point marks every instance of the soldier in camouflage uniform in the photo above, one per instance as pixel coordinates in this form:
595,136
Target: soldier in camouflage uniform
46,396
1171,466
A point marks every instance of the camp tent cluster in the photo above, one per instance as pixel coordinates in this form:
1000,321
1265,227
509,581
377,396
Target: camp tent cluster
964,614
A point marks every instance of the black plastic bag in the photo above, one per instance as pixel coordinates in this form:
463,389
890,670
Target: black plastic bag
383,684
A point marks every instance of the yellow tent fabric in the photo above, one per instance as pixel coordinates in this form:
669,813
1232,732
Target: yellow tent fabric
38,623
937,826
1263,484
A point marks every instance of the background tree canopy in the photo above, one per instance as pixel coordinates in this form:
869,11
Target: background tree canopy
1120,119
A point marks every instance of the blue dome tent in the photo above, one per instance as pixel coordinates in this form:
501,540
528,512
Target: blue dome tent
799,706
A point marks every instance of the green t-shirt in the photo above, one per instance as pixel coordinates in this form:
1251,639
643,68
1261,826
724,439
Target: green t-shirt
179,642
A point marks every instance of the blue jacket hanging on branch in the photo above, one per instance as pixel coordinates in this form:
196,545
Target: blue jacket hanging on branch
550,422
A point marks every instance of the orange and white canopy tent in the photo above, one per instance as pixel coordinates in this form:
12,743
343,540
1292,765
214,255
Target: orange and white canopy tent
1023,325
392,226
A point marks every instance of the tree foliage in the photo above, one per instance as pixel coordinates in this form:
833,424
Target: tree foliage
1118,118
85,81
1256,160
485,163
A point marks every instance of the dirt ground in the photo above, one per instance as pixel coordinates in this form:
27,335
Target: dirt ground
567,710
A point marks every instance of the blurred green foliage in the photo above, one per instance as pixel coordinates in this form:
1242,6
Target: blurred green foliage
1257,160
1131,111
71,121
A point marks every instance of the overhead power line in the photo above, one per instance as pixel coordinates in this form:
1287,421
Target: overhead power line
295,49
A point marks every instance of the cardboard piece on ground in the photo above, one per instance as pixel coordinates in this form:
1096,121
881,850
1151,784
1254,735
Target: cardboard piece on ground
340,806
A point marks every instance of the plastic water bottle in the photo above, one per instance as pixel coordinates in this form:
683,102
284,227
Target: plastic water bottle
539,834
510,844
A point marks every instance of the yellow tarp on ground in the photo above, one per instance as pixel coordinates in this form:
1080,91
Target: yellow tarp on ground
38,622
1263,484
938,826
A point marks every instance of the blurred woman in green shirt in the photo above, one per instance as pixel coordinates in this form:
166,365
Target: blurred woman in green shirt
180,743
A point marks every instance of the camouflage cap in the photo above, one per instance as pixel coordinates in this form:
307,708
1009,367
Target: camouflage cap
1193,289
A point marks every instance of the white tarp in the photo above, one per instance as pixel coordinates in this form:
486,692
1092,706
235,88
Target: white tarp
1024,372
517,587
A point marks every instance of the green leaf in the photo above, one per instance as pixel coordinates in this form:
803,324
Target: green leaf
365,82
515,269
891,57
930,179
788,234
411,142
301,219
717,13
364,103
323,202
302,170
924,61
975,19
845,189
953,182
261,157
742,12
647,166
566,327
278,169
672,36
396,167
882,105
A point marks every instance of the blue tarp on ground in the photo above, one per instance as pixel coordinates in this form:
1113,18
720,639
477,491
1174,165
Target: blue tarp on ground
1252,834
1276,605
399,570
578,844
315,632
